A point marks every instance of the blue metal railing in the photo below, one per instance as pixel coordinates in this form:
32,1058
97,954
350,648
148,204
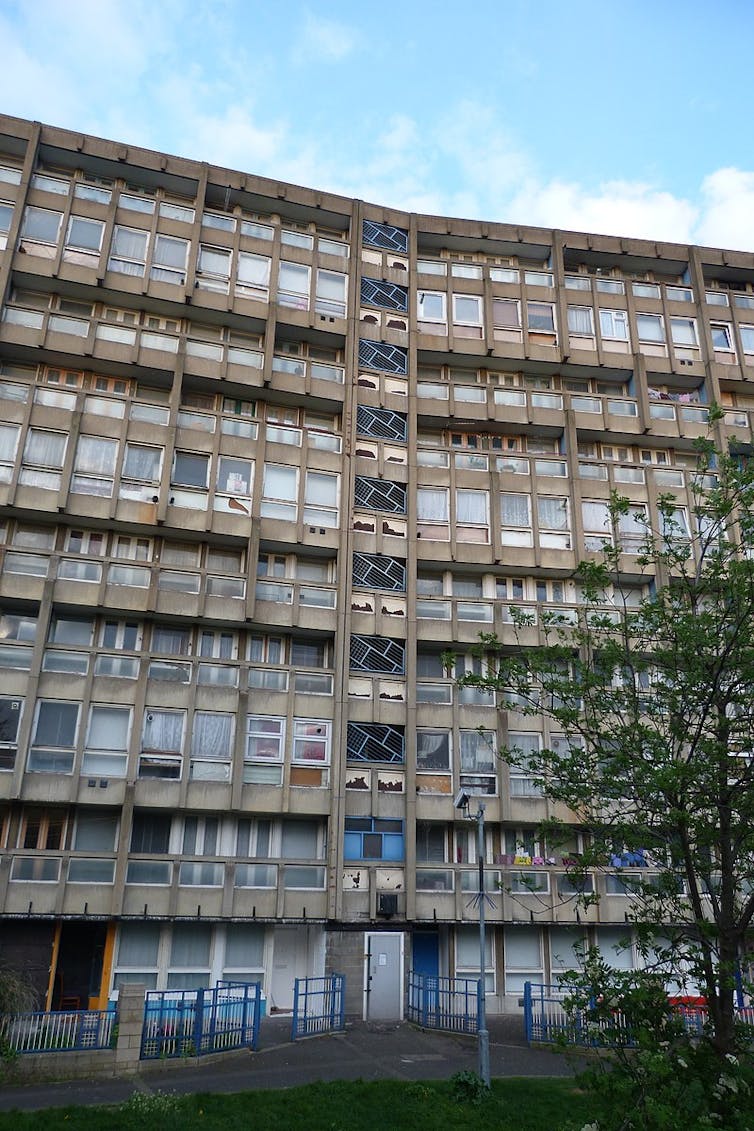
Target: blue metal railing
547,1021
76,1030
196,1022
451,1004
318,1005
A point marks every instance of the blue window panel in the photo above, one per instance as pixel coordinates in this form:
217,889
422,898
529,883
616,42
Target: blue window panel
383,357
381,423
387,296
386,236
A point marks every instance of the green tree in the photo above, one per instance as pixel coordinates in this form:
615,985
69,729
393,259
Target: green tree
653,699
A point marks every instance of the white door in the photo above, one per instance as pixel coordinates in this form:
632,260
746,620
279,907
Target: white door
383,988
288,963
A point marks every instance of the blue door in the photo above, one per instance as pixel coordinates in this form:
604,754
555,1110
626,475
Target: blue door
426,953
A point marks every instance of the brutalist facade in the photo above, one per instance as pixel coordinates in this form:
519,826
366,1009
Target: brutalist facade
265,454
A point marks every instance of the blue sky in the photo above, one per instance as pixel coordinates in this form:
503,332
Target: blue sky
624,116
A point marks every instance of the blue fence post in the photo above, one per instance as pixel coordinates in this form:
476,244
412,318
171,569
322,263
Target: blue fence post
198,1021
527,1012
294,1022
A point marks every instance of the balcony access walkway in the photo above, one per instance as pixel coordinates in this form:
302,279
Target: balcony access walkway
363,1051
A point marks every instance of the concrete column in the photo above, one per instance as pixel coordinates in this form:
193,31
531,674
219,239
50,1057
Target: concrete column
130,1021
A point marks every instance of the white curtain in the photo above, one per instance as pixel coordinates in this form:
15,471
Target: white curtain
129,243
163,730
96,455
432,504
472,506
142,463
212,735
44,449
254,269
580,320
514,510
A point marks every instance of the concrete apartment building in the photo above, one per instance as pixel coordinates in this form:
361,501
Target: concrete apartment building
265,454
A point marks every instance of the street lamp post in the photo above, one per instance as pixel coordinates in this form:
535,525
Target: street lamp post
462,802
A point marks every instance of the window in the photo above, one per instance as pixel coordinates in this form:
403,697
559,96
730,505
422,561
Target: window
162,741
478,761
433,751
581,321
280,492
472,515
523,958
123,635
294,282
721,336
94,466
6,216
141,464
614,324
515,518
506,314
190,470
9,434
54,738
171,640
523,782
683,332
150,833
265,737
747,338
169,260
331,293
552,516
253,278
83,242
467,315
213,268
321,498
650,328
10,716
211,746
311,741
373,838
541,318
95,831
235,476
43,457
106,748
432,512
431,311
41,226
43,830
467,956
595,517
128,251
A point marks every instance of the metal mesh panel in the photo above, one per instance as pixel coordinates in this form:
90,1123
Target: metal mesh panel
373,742
377,654
381,423
383,357
376,571
379,495
388,296
384,235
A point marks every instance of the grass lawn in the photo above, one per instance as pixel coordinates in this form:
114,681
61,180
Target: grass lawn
385,1105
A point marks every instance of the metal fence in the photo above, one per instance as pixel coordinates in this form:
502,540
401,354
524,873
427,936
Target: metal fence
181,1023
318,1005
547,1021
80,1030
451,1004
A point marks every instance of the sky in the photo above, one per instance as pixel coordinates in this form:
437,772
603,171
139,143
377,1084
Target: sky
628,117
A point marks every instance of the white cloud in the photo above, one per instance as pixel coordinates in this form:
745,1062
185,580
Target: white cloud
727,218
324,41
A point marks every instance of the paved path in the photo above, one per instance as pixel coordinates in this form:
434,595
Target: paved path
362,1052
